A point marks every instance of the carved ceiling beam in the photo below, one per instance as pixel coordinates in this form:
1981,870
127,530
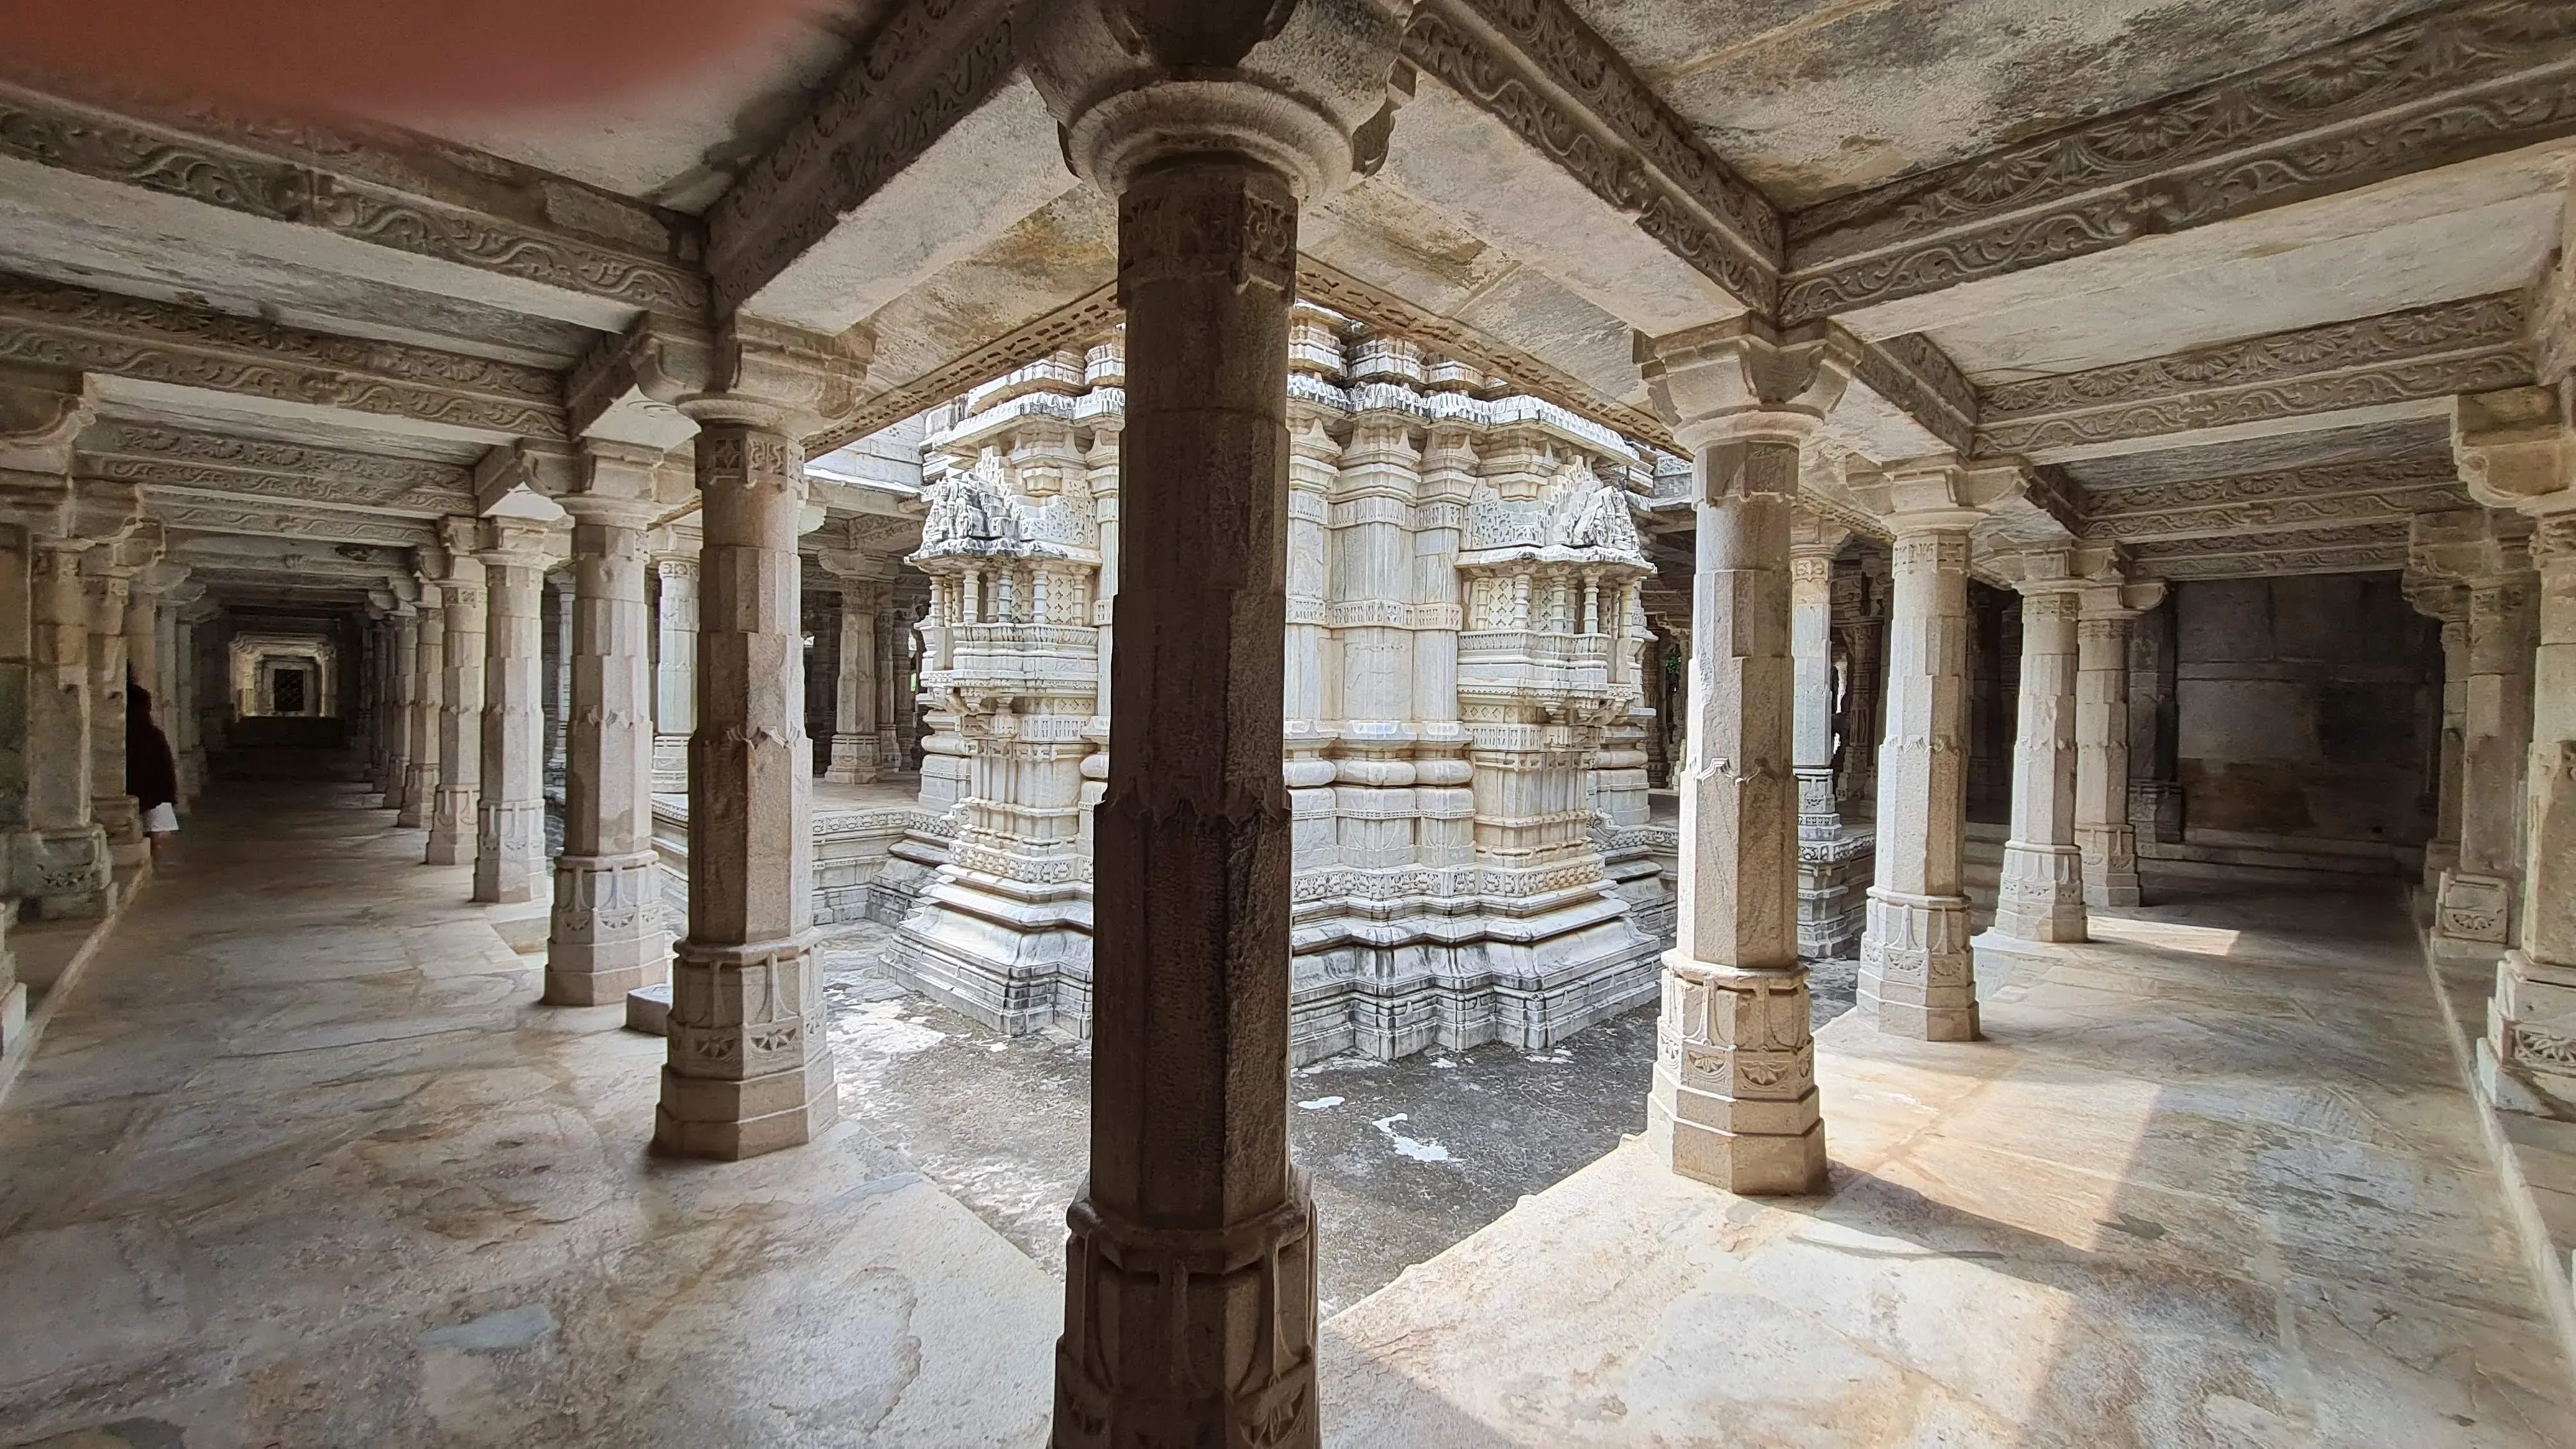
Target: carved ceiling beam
408,193
2432,90
2370,490
184,511
2418,357
256,468
129,337
930,66
2352,548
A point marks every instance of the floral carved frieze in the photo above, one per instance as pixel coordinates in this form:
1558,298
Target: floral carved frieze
237,178
2218,519
2471,79
930,66
2367,558
178,457
2411,356
72,327
181,513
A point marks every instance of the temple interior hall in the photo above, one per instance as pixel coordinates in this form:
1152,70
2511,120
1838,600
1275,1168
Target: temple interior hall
1408,724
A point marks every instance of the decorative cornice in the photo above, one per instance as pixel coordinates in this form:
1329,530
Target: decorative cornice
2424,353
2222,519
181,511
929,67
511,221
2292,551
2470,80
99,332
178,457
2271,563
2330,495
1537,68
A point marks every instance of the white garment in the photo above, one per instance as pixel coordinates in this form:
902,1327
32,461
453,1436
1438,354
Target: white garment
161,819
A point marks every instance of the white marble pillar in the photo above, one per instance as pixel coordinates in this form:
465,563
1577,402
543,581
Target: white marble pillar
403,676
675,672
109,574
2447,605
750,1063
1734,1098
894,660
854,759
558,646
460,701
2104,834
604,938
2041,897
428,690
1916,974
2473,906
510,802
1811,649
63,862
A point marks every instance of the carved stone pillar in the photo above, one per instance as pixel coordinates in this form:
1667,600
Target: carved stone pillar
1190,1280
1916,976
604,939
109,574
1811,648
750,1064
2042,893
402,715
62,863
2447,605
2103,832
510,807
558,647
452,821
2473,908
854,758
675,673
429,687
1734,1098
894,660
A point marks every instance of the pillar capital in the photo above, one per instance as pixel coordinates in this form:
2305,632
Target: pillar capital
776,378
1303,91
42,411
2515,450
2468,546
1936,493
615,484
1741,380
513,543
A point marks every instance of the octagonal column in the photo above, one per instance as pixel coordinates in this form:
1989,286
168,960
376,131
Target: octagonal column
1190,1277
1734,1097
675,672
402,670
853,759
428,689
1915,975
2447,605
1811,647
2042,893
460,701
2103,830
510,803
604,938
109,577
750,1064
2473,908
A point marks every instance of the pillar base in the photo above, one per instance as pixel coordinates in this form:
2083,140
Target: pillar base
419,795
750,1065
1833,885
509,850
66,873
122,819
2110,865
854,760
1189,1336
2472,914
451,828
2527,1059
601,942
1916,978
1734,1101
2042,894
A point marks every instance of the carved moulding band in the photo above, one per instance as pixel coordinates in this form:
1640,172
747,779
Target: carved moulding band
48,132
2470,80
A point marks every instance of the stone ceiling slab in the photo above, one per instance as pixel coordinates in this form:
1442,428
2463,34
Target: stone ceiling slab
1812,99
1041,263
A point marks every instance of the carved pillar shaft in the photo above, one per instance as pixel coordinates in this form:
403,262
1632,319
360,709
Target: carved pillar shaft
750,1066
510,805
558,629
2474,900
1190,1282
429,685
894,658
2042,894
2103,834
2442,852
110,590
1734,1099
603,939
62,861
1811,646
460,714
854,688
2531,1023
675,675
403,676
1914,960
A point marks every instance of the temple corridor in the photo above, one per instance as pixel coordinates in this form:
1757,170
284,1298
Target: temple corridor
302,1161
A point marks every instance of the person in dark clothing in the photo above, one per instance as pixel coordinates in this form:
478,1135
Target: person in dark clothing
151,774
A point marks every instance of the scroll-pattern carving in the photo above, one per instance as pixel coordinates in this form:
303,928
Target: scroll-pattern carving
428,502
2258,513
2365,475
2473,79
2259,402
132,155
179,513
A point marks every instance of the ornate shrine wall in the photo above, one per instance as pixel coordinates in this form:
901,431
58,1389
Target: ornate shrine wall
1465,753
